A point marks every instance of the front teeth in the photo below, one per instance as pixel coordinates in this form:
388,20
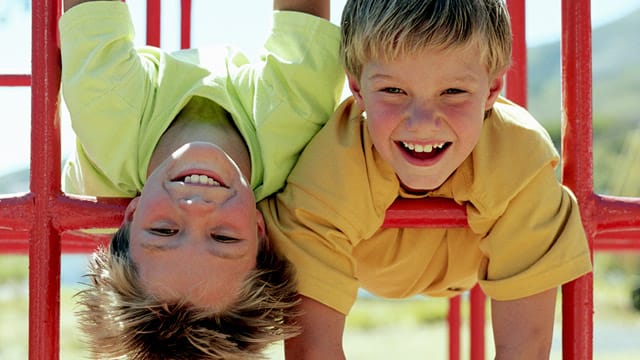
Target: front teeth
200,179
422,148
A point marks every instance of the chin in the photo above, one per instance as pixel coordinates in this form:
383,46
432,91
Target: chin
421,185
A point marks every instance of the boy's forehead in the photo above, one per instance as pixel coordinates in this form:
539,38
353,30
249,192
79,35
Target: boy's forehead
473,50
459,64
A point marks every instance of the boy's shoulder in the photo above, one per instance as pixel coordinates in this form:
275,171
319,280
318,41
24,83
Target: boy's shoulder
507,112
513,148
510,132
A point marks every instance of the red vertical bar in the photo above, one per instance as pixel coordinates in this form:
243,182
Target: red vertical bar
577,169
185,24
153,22
454,328
44,244
477,302
516,86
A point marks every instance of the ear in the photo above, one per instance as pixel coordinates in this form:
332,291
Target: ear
262,228
354,86
495,87
131,209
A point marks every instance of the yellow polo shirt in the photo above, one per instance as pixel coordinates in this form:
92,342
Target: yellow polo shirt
524,236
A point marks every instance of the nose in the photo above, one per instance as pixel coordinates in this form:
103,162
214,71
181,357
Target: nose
198,198
422,115
196,203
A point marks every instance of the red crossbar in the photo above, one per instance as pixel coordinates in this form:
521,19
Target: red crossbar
15,80
44,222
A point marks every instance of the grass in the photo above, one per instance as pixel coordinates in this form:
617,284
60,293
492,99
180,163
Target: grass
371,313
376,329
13,268
14,324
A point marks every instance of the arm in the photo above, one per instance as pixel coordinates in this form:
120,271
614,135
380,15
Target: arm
292,92
319,8
523,328
321,338
107,89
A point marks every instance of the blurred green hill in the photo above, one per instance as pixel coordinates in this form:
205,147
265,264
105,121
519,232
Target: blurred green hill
616,74
616,94
616,119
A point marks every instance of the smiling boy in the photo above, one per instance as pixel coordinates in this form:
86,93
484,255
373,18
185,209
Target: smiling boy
427,120
195,137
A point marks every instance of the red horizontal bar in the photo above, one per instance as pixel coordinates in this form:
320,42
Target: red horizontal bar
616,213
618,230
15,80
427,212
16,211
68,212
77,242
75,212
618,240
72,242
14,242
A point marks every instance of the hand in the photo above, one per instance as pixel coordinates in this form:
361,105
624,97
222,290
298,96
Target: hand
68,4
319,8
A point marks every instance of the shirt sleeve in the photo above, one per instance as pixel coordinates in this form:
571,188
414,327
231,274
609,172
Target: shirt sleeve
327,208
537,244
107,89
313,238
290,93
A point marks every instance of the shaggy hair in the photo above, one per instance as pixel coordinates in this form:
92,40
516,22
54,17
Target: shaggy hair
121,320
390,29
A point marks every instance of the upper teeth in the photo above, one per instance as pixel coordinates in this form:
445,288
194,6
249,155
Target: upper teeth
422,148
200,179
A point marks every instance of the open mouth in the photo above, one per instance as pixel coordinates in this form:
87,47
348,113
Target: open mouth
198,179
424,151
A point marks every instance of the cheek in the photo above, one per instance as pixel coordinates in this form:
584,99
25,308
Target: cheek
242,211
466,121
383,120
152,204
381,134
469,131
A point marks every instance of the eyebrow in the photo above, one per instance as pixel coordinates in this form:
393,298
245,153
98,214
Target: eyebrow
460,79
214,252
379,76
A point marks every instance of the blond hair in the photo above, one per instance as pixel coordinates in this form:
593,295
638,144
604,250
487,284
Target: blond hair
389,29
121,320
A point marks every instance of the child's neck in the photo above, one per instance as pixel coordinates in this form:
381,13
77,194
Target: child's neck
220,131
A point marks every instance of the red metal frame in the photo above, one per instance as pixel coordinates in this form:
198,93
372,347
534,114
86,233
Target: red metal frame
43,221
577,169
153,22
516,86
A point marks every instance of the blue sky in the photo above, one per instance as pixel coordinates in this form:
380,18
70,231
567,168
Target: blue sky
239,22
